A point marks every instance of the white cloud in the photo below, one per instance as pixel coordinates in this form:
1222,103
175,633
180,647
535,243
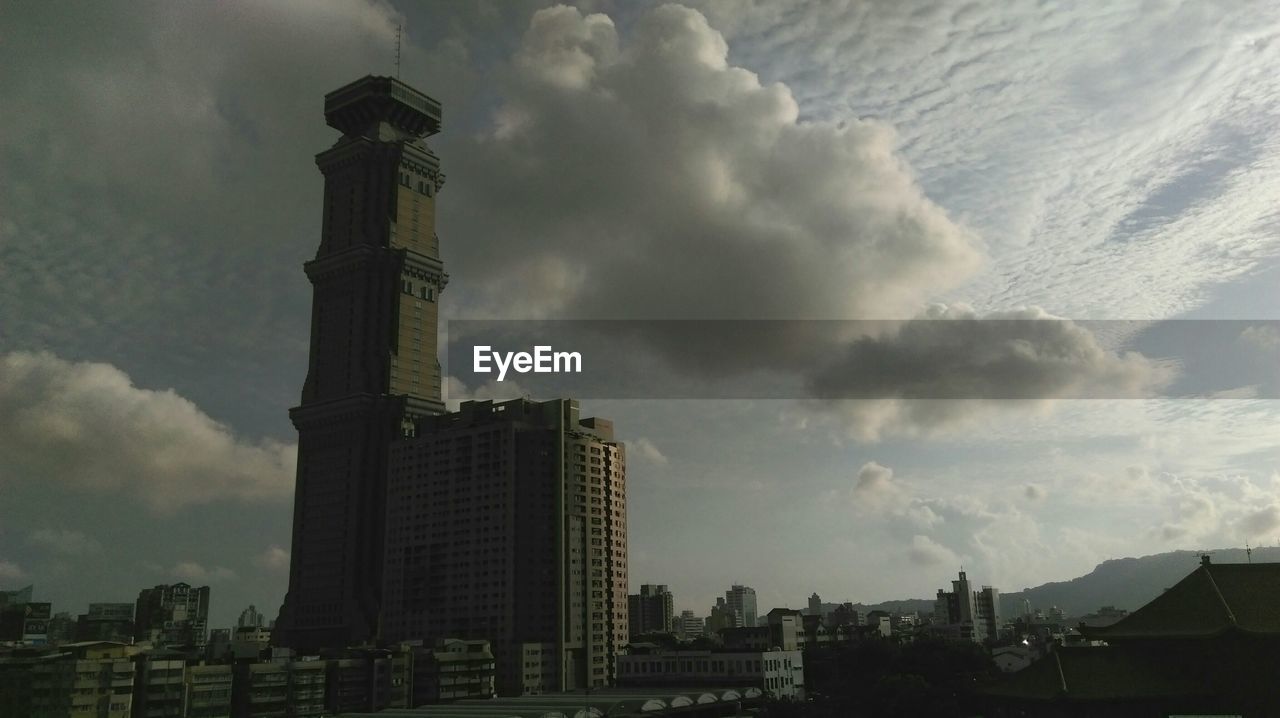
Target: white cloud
874,486
1263,336
64,541
924,551
10,571
273,558
193,571
729,205
86,426
1121,170
1261,523
644,449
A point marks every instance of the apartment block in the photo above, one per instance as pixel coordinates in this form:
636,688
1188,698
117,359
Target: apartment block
652,610
506,522
173,615
778,672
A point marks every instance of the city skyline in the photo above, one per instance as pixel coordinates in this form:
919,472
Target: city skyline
153,333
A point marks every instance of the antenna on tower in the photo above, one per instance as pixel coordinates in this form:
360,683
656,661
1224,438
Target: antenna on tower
399,28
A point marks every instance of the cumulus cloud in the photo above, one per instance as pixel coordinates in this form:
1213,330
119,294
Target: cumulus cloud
193,571
644,449
1262,522
924,551
877,493
873,478
727,204
273,558
86,426
64,541
874,485
1262,336
1193,512
1119,170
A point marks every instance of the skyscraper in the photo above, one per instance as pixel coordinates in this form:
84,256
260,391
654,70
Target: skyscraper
251,616
507,522
651,611
974,615
743,600
372,369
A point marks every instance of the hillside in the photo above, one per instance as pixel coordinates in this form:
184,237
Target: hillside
1126,583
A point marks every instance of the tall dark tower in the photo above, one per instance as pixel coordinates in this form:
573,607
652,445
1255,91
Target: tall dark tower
373,369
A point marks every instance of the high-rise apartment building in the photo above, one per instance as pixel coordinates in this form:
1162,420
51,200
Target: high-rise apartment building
251,617
172,615
973,615
651,611
508,522
743,600
372,370
689,625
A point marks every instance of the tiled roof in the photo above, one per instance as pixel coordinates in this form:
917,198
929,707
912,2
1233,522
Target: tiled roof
1092,673
1212,600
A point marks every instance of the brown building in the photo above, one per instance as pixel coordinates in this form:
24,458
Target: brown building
372,370
508,523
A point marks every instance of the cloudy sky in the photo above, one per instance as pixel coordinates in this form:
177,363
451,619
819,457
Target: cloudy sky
712,160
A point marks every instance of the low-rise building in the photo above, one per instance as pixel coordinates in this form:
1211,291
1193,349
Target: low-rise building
780,673
81,679
249,642
159,686
293,688
106,622
207,691
453,669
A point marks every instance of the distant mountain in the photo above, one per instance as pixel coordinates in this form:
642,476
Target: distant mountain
1127,583
906,605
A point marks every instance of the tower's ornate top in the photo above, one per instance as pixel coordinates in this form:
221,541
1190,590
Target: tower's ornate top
360,106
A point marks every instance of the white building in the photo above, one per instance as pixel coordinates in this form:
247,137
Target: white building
778,672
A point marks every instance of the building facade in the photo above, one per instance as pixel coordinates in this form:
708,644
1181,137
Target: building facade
372,370
106,622
651,611
778,672
743,600
967,614
251,616
172,615
508,524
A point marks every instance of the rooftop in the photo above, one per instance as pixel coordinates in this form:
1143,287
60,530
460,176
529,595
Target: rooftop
1212,600
1090,674
356,107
